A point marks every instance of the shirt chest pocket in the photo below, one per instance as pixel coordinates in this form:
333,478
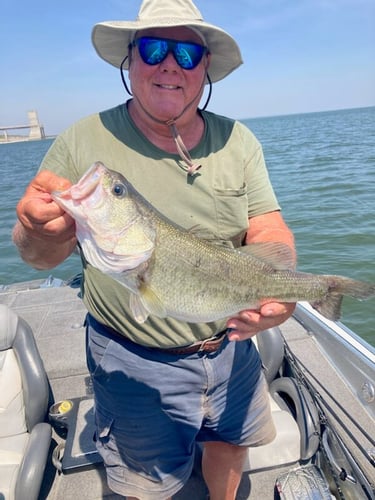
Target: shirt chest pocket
231,206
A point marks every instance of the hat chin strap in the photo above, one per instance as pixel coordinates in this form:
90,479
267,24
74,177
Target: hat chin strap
171,123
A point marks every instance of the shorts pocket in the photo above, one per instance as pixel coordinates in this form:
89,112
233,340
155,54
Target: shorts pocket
103,425
97,348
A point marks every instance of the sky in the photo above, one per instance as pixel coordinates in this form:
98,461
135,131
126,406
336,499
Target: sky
299,56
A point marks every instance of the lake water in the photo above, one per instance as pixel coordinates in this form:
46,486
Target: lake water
322,166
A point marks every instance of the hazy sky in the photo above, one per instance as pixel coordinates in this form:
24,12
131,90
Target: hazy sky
300,56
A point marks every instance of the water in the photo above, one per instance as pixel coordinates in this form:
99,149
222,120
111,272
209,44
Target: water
322,169
18,164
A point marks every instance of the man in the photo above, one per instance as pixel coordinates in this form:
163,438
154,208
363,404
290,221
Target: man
161,386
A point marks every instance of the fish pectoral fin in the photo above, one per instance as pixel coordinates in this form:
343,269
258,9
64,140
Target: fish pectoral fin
137,308
278,255
144,303
152,302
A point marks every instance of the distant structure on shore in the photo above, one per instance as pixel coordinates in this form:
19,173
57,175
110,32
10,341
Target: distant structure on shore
36,130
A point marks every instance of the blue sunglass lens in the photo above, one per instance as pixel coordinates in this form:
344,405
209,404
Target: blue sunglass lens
155,50
188,55
152,51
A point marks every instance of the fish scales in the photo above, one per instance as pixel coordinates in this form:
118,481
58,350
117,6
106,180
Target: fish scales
205,287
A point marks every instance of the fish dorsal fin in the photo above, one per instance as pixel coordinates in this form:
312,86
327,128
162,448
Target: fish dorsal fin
144,303
277,255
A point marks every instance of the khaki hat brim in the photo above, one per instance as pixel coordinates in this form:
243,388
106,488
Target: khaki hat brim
111,41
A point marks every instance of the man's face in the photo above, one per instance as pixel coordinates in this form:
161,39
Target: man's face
165,89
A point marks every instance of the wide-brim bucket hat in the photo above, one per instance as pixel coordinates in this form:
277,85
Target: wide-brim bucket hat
111,39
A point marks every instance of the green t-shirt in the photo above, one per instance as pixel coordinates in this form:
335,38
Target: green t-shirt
231,185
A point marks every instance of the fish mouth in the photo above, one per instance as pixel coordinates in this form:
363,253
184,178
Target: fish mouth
85,186
89,182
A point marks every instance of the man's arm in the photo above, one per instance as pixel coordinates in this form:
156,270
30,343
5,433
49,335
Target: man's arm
269,227
44,234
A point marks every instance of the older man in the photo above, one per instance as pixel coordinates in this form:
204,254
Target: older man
161,386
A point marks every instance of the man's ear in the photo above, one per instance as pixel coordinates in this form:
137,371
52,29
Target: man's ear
208,60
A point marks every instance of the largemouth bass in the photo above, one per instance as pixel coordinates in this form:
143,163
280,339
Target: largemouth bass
172,272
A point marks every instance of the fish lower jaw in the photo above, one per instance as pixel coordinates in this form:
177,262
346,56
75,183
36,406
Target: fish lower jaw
109,262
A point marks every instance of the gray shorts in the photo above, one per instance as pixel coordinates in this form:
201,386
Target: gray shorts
152,406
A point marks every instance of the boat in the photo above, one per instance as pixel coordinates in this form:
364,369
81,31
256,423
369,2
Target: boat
321,379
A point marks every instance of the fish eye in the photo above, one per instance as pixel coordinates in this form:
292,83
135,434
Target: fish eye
119,190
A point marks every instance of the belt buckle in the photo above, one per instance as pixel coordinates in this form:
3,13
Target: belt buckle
210,339
203,344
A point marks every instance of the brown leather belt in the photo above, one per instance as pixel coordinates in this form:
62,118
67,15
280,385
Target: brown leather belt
209,345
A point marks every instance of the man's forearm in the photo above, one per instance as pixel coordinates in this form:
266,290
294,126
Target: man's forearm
271,228
41,253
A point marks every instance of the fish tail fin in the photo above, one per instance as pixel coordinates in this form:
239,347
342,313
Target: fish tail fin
330,307
338,286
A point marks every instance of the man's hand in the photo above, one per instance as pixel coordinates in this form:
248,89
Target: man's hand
44,233
39,214
250,322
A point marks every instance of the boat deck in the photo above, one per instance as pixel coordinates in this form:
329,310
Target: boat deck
56,316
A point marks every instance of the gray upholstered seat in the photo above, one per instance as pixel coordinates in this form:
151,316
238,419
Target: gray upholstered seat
24,436
296,435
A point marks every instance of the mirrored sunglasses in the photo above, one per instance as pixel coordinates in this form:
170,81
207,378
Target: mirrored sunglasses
154,50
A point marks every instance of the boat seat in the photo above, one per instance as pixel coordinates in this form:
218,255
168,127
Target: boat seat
293,411
24,436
